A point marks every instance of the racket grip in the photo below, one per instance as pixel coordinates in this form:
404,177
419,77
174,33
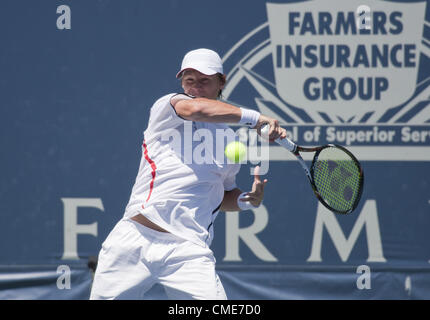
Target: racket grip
286,143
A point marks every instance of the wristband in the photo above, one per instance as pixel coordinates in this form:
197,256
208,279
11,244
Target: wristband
249,117
244,205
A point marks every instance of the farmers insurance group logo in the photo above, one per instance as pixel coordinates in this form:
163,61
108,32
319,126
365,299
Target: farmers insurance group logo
334,74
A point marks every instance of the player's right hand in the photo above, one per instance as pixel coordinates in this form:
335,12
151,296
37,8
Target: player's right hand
275,131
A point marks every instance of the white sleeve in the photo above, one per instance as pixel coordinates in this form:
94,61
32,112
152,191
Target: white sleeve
179,96
163,115
230,180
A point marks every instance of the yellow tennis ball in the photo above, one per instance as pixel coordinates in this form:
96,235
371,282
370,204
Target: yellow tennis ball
235,151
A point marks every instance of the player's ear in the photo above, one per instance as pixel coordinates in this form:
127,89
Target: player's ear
222,79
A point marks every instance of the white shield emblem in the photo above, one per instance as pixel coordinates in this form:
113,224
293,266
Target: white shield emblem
324,64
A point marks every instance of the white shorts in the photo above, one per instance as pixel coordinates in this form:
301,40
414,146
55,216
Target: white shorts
133,258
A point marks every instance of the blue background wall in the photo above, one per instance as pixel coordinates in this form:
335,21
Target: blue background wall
73,107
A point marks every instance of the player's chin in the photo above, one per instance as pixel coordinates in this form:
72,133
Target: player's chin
205,96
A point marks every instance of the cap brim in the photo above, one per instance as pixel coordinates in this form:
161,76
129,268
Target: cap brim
202,69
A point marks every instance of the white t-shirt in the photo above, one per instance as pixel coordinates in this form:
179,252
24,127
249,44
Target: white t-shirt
183,173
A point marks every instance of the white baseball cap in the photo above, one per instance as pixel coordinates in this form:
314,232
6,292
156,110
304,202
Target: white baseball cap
205,61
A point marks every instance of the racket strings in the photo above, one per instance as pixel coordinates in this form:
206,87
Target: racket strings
337,178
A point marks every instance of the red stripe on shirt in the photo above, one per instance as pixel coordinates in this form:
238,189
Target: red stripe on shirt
153,166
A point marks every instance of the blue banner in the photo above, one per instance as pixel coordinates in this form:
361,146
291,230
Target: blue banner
77,81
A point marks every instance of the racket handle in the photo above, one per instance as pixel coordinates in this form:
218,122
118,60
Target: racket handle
286,143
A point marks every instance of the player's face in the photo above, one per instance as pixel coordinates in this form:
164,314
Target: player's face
200,85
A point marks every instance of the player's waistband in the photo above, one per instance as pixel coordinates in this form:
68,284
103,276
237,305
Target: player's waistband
154,235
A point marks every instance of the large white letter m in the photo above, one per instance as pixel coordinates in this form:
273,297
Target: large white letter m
368,217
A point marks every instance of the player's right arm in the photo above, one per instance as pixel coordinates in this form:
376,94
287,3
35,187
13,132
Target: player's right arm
206,110
209,110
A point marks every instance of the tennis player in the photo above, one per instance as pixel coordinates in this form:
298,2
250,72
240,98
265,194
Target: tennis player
167,228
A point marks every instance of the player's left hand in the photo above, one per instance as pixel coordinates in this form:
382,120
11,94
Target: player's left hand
255,196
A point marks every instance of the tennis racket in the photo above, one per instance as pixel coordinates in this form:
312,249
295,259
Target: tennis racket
335,174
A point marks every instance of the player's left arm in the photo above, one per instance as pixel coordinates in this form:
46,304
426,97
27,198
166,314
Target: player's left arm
255,196
229,203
